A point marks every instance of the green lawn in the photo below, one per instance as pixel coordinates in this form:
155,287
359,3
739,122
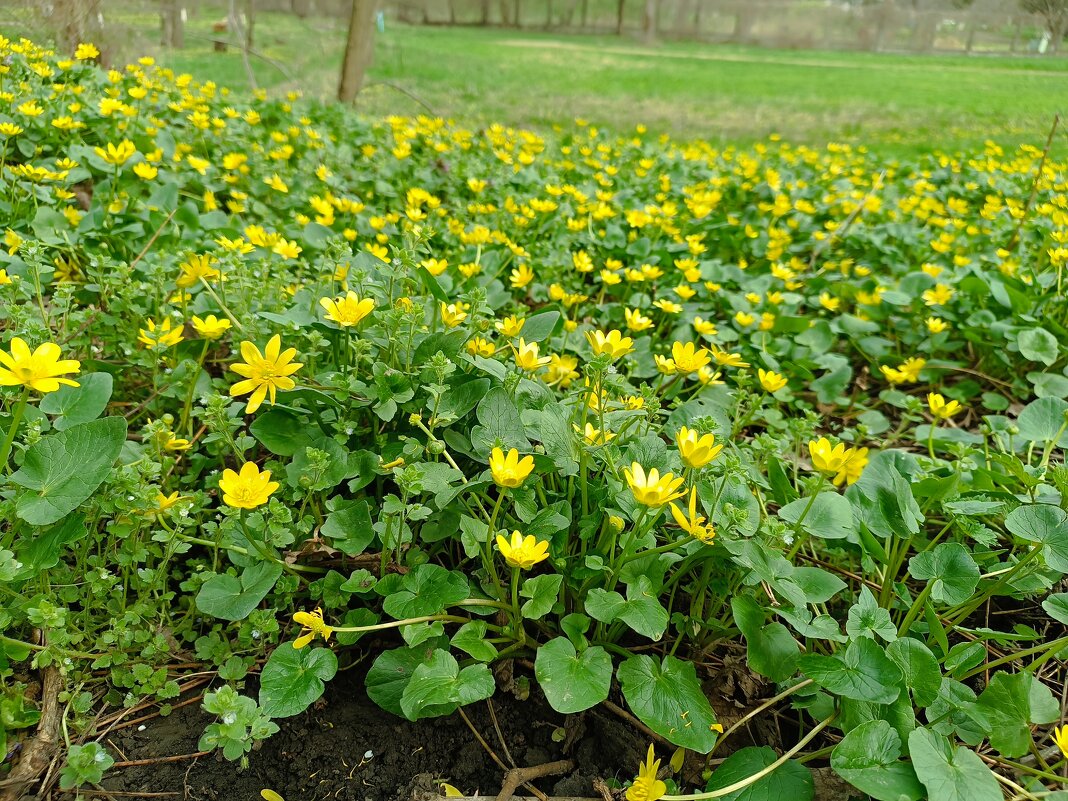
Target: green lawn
893,104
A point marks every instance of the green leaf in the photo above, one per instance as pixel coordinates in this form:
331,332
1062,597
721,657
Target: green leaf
392,670
80,404
830,517
863,673
1041,421
919,668
542,591
231,598
349,527
1045,524
44,549
292,680
867,619
869,758
64,469
771,650
951,774
667,697
882,498
641,610
1011,703
540,326
951,569
500,423
438,687
791,780
280,432
471,639
572,681
1038,345
1056,606
426,590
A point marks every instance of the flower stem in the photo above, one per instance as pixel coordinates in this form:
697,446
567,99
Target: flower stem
16,418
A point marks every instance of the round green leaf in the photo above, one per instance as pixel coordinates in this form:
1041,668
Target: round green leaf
952,569
293,679
667,697
869,758
80,404
572,681
1038,345
951,774
791,780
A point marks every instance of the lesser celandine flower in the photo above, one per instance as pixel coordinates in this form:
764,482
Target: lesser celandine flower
347,310
940,408
843,463
510,326
613,344
522,552
688,357
119,154
693,523
249,488
636,321
313,626
265,373
39,370
652,489
159,337
527,358
478,346
508,469
211,327
193,269
696,450
771,381
452,314
646,786
1060,737
936,325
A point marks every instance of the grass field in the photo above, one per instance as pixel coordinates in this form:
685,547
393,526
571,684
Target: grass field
893,104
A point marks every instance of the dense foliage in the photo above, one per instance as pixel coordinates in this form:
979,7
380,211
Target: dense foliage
281,385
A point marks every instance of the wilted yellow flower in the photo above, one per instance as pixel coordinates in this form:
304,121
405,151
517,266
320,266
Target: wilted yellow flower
652,489
509,470
39,370
159,337
523,552
249,488
265,373
312,626
646,786
347,310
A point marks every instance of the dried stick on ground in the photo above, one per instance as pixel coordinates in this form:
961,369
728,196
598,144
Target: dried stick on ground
39,752
518,776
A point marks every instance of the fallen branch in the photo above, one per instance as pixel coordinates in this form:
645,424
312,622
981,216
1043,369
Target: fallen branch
518,776
40,751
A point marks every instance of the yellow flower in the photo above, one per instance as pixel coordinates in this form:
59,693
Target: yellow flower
313,626
705,327
936,325
211,327
696,451
481,347
165,502
636,321
652,489
117,154
908,372
4,279
1060,737
771,381
521,276
39,370
10,129
434,266
509,470
249,488
31,108
145,171
264,373
12,241
510,326
287,248
688,357
594,436
646,786
276,183
613,343
174,443
86,51
452,314
845,464
195,268
523,552
526,356
940,408
159,337
347,310
561,371
694,524
828,302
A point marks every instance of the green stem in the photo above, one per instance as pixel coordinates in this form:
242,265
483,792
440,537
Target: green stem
16,418
914,610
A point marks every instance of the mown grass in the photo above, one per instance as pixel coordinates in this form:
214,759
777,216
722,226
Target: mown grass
897,104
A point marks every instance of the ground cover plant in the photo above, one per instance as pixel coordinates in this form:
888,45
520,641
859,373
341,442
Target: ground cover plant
597,416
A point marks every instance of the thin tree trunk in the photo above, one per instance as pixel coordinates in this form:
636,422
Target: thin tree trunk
585,13
619,17
649,21
358,50
173,24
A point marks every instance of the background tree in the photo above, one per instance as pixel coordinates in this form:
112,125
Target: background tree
172,24
359,49
1054,13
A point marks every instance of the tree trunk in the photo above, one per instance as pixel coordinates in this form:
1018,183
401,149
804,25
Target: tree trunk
76,21
549,15
485,12
173,24
250,21
619,17
585,13
358,49
649,21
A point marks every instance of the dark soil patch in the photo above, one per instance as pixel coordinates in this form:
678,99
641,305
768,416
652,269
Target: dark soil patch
347,748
